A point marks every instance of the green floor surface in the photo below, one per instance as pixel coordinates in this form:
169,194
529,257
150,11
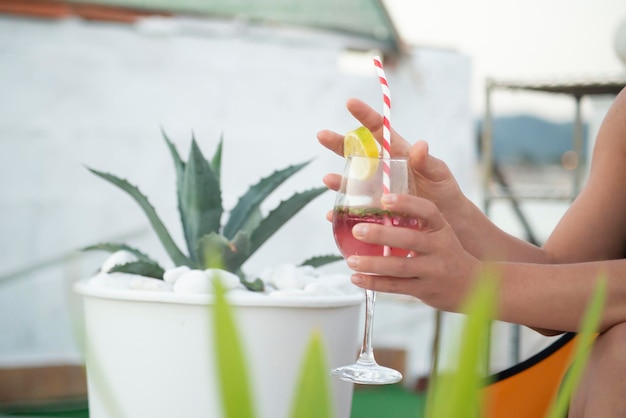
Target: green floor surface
392,401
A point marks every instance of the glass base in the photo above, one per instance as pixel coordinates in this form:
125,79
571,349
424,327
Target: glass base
367,374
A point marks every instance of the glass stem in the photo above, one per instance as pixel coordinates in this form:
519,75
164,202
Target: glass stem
367,351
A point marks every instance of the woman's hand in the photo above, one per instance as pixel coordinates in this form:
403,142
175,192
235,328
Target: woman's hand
433,179
438,271
373,121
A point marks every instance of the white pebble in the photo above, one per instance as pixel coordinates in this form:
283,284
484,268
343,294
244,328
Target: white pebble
288,283
281,280
335,280
229,280
194,281
171,275
321,289
148,283
289,276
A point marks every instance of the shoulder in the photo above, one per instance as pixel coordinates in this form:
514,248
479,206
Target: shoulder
594,227
621,97
617,111
612,133
597,215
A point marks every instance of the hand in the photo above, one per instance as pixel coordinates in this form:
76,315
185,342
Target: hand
433,179
373,121
438,271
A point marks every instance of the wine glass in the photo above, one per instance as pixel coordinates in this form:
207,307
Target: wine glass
357,201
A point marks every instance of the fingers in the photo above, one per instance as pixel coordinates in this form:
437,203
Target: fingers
383,266
373,121
425,242
408,286
418,241
331,140
416,207
332,181
425,165
368,117
395,237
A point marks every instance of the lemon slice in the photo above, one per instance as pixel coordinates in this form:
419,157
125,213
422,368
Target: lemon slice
361,143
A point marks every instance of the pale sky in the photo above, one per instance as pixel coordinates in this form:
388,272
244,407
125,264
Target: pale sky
513,39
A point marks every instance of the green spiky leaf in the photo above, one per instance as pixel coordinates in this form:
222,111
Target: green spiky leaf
252,223
257,285
113,247
240,246
142,268
159,228
321,260
200,201
249,203
179,164
216,252
216,161
279,216
312,397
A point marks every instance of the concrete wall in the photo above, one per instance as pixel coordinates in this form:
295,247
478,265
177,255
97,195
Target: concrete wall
76,94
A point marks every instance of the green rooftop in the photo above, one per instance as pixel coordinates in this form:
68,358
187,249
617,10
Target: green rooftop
365,18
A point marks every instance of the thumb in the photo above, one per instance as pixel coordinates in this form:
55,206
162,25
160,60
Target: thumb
426,166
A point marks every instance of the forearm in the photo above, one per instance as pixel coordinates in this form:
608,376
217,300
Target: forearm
555,296
485,241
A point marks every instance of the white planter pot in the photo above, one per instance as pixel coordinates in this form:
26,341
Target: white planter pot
150,354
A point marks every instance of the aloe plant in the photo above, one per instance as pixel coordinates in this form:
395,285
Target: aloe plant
210,243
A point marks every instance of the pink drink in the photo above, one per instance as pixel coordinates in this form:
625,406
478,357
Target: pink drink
344,218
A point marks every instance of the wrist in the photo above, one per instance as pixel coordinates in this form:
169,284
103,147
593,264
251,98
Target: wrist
458,213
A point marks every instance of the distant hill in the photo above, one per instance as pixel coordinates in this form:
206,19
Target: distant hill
529,139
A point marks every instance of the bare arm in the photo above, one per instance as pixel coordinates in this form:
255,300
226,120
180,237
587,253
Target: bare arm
592,230
554,296
441,273
457,239
594,227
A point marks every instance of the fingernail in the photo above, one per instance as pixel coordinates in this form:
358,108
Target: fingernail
352,261
388,199
357,279
359,230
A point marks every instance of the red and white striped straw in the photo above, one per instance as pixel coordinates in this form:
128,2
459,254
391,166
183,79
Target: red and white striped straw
386,146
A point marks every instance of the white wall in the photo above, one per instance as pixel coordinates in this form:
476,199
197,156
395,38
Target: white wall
78,94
